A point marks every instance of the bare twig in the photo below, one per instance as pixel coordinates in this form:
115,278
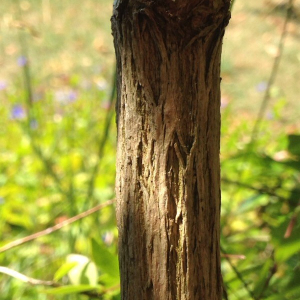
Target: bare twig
250,187
55,227
34,281
239,275
233,256
25,278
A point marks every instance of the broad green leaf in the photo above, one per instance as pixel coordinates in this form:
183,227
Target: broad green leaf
64,269
252,202
21,220
105,260
69,289
89,274
84,272
286,250
263,274
107,280
285,247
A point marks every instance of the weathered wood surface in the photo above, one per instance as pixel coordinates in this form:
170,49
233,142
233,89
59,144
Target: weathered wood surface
168,171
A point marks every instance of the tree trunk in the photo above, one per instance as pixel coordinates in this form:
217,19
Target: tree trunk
168,172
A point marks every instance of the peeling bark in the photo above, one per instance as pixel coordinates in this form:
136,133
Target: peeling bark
168,172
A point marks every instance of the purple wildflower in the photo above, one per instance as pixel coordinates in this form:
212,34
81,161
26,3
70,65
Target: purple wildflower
3,85
22,61
72,96
262,86
18,112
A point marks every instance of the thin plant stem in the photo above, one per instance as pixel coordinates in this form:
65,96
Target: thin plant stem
250,187
56,227
239,275
267,95
33,281
257,124
102,142
69,193
29,106
272,271
273,75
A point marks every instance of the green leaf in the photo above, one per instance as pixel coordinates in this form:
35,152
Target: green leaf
294,144
84,271
285,247
107,280
105,260
21,220
63,270
69,289
252,202
263,274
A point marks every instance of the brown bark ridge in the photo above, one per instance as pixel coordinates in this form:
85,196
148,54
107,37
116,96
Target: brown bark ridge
168,172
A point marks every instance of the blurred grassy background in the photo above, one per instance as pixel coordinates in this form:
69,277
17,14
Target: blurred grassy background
250,46
57,149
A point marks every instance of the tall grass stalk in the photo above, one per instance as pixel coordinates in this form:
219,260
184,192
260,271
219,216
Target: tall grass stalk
32,134
101,143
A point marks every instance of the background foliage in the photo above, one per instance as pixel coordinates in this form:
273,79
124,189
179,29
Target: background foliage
57,150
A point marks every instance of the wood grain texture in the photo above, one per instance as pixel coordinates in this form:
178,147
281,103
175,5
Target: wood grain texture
168,171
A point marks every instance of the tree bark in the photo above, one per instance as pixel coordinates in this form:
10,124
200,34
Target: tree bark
168,171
